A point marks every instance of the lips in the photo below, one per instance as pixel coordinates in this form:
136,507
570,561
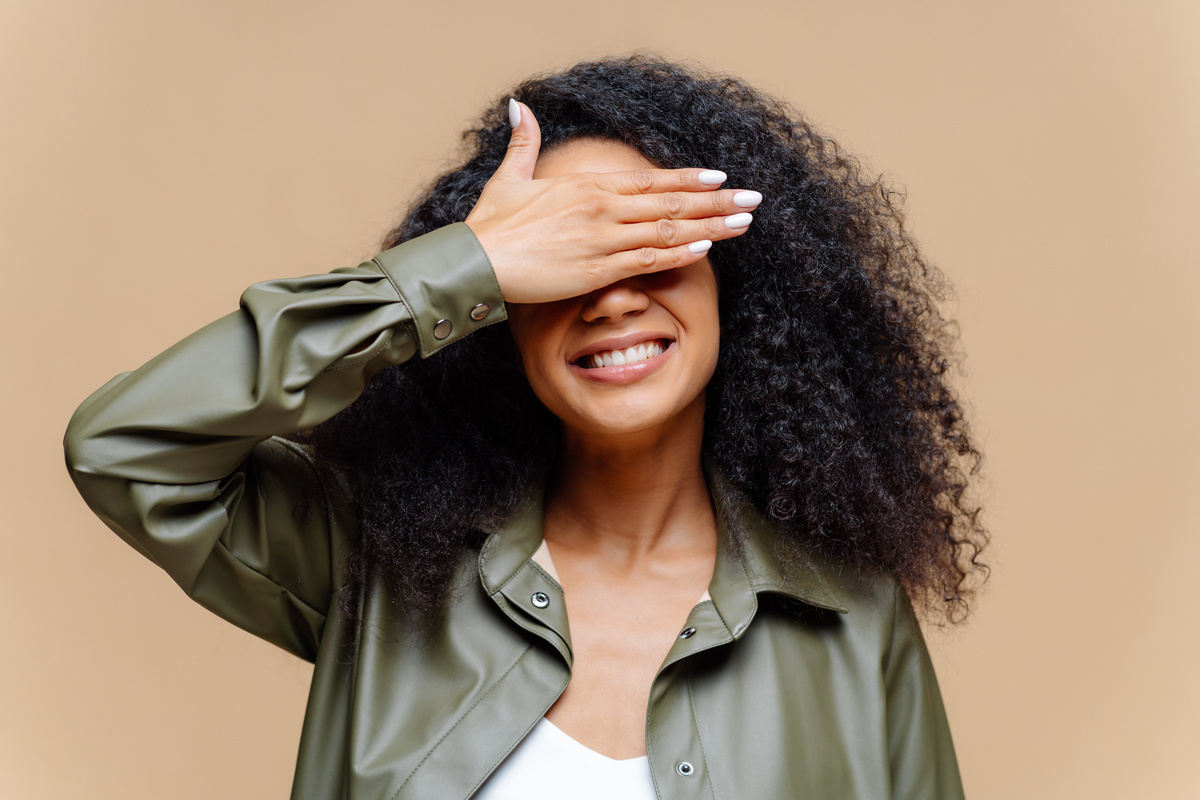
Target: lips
608,349
623,359
630,355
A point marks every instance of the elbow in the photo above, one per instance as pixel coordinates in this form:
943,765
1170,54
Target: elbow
80,447
75,447
82,440
76,450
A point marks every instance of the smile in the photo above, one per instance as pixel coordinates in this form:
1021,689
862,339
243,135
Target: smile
623,357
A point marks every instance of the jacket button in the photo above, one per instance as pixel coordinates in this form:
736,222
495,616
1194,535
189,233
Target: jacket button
687,633
540,599
442,329
685,768
480,311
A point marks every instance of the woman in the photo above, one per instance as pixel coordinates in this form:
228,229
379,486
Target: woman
731,469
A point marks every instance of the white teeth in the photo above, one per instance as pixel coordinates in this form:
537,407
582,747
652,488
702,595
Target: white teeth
630,355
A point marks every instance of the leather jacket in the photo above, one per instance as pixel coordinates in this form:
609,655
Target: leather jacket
812,683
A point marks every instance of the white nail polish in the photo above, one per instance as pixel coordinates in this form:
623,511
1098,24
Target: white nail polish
712,177
739,220
700,246
514,112
747,199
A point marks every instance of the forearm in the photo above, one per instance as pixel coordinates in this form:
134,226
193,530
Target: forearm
296,353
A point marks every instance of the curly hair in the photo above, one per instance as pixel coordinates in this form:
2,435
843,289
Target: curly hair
830,409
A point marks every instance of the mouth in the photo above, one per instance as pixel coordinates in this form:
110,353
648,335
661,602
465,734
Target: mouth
623,356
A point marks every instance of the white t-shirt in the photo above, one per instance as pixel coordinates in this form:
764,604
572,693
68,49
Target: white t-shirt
550,765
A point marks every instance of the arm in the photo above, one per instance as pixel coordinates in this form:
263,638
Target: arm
920,748
177,458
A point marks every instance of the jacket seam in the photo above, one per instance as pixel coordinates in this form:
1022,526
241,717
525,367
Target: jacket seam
488,260
508,752
650,713
412,316
302,600
749,582
361,358
544,574
334,578
696,722
458,722
721,617
886,666
500,588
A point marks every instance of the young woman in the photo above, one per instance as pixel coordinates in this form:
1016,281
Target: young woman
658,535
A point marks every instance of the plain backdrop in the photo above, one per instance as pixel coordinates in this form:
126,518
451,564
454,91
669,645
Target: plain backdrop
158,157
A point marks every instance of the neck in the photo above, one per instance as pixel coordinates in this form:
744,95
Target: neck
630,494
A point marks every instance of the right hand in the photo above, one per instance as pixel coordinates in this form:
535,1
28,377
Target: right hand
554,238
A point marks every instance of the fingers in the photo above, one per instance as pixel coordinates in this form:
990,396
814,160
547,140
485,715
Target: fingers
682,205
651,181
668,233
669,244
523,145
653,194
650,259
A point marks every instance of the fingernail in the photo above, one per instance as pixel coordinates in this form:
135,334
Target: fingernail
739,220
514,112
700,246
747,199
712,177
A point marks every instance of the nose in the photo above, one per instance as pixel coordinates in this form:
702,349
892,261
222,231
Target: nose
615,301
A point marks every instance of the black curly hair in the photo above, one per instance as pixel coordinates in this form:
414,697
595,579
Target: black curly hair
830,409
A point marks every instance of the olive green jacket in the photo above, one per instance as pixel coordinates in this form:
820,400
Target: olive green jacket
809,684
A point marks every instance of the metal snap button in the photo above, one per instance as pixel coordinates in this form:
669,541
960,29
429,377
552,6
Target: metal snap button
685,768
442,329
480,311
540,599
687,633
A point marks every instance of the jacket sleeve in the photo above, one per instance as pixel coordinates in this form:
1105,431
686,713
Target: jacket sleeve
178,457
921,751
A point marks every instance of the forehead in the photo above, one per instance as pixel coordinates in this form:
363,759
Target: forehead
589,155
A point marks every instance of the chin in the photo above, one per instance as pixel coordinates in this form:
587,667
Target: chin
628,418
625,427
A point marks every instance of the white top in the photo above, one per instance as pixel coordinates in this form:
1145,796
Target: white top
550,765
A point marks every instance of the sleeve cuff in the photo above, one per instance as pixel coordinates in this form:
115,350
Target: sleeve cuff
447,283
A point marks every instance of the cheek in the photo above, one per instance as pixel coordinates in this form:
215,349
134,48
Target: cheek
523,324
535,342
711,336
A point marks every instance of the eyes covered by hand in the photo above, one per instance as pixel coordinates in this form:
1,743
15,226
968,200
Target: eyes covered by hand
549,239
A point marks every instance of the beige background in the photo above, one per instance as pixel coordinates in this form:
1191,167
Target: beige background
157,157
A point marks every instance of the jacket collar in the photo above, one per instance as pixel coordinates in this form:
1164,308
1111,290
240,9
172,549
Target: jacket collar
746,565
747,541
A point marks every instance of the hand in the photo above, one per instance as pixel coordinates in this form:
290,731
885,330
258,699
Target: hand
554,238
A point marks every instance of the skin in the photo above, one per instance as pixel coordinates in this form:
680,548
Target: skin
628,519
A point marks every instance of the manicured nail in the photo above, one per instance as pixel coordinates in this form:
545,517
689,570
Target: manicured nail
747,199
739,220
712,177
700,246
514,112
